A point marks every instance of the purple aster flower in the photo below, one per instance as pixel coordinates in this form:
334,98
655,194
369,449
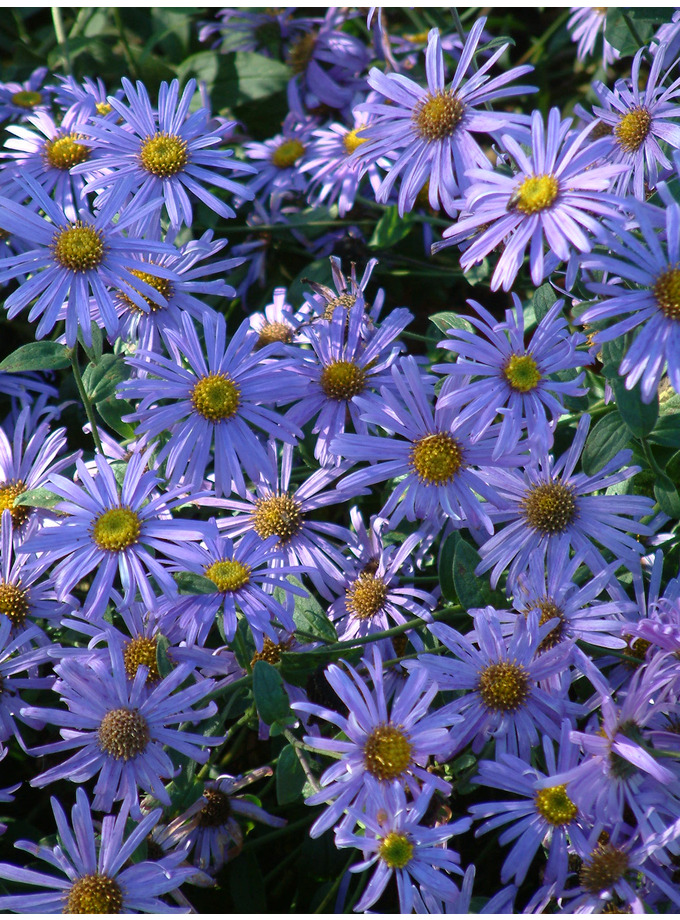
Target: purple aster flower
248,30
278,322
211,394
585,24
98,875
651,264
277,509
72,261
550,507
345,368
14,661
388,745
397,844
17,100
501,676
121,727
638,121
25,386
114,530
27,460
161,155
209,827
432,131
433,449
544,816
6,795
244,575
661,629
557,197
347,292
86,98
516,379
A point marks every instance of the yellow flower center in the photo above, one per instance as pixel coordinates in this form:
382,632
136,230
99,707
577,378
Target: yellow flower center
300,53
343,380
504,686
280,515
9,492
633,128
216,811
603,869
396,850
666,292
387,752
549,610
103,108
13,603
549,508
536,193
228,574
26,99
271,652
65,151
522,373
287,154
80,248
123,734
162,285
436,459
437,117
555,805
351,141
366,596
116,529
344,300
274,332
216,397
141,651
94,894
164,155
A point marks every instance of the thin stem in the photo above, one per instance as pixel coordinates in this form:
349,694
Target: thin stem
297,747
540,42
127,50
394,631
62,39
85,399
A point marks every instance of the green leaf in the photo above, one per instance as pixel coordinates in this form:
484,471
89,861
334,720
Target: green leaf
290,777
37,356
163,663
607,437
390,229
667,496
38,498
94,351
235,78
191,583
639,417
245,883
310,617
543,300
667,431
297,667
112,411
100,380
447,320
271,698
446,556
619,34
612,354
472,590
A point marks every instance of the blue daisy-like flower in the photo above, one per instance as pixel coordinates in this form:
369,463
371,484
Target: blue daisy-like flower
431,131
98,876
514,379
585,25
161,155
211,394
122,727
72,261
17,100
117,530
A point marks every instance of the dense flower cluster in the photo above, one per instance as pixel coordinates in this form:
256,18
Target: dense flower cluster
404,569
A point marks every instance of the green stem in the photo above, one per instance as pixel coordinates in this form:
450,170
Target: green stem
62,39
330,894
127,50
650,458
85,399
394,631
540,42
298,748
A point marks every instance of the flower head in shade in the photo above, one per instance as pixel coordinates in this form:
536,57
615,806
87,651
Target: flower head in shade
248,30
209,828
115,530
161,156
17,100
513,377
501,677
97,876
388,743
72,261
429,133
544,815
86,98
122,727
278,322
550,507
431,448
585,24
344,367
651,262
556,198
348,291
397,844
640,121
209,397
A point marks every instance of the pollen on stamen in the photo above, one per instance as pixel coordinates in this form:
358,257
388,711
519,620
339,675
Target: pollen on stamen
366,596
164,155
522,373
216,811
9,492
633,128
162,285
387,752
274,332
141,651
550,507
536,193
549,610
436,117
65,151
605,866
79,248
228,575
14,603
26,99
343,300
666,290
396,850
352,142
436,459
278,514
116,529
504,686
555,805
342,380
287,153
216,397
94,894
271,651
123,733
